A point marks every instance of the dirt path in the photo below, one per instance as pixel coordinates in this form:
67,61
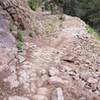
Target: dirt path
61,69
61,65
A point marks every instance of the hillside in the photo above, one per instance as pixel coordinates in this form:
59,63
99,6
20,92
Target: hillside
55,59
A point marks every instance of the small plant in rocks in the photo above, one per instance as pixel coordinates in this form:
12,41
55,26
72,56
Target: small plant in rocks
20,46
31,34
93,32
20,36
20,39
62,17
11,28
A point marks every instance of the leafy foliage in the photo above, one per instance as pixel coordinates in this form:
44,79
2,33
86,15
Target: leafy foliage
88,10
11,27
20,39
20,45
32,34
34,4
20,36
93,32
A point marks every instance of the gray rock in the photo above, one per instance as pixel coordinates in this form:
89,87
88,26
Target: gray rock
40,97
84,75
58,94
53,71
6,38
92,80
83,98
21,58
42,91
55,79
94,87
42,80
87,86
66,68
12,79
17,98
72,73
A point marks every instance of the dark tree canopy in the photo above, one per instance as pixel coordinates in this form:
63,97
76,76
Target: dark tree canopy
88,10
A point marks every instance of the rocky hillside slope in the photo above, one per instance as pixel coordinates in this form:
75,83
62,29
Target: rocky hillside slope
61,62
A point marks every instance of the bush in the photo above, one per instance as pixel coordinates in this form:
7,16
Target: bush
31,34
20,36
93,32
62,17
11,28
20,45
90,30
20,39
88,10
34,4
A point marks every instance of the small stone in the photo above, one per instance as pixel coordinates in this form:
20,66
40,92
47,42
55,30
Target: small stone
12,79
40,97
55,79
84,75
42,72
33,88
24,78
42,80
87,86
72,73
92,80
58,94
42,91
81,83
26,66
94,87
66,68
28,63
21,58
17,98
88,62
97,93
34,46
53,71
83,98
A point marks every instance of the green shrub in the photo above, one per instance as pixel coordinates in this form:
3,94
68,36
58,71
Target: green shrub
20,39
31,34
50,6
11,28
20,36
34,4
62,17
93,32
20,45
90,30
88,10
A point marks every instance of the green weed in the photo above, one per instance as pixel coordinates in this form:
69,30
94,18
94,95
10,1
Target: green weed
20,45
31,34
20,36
93,32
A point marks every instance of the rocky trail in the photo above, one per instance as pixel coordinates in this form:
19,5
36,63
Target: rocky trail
62,63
